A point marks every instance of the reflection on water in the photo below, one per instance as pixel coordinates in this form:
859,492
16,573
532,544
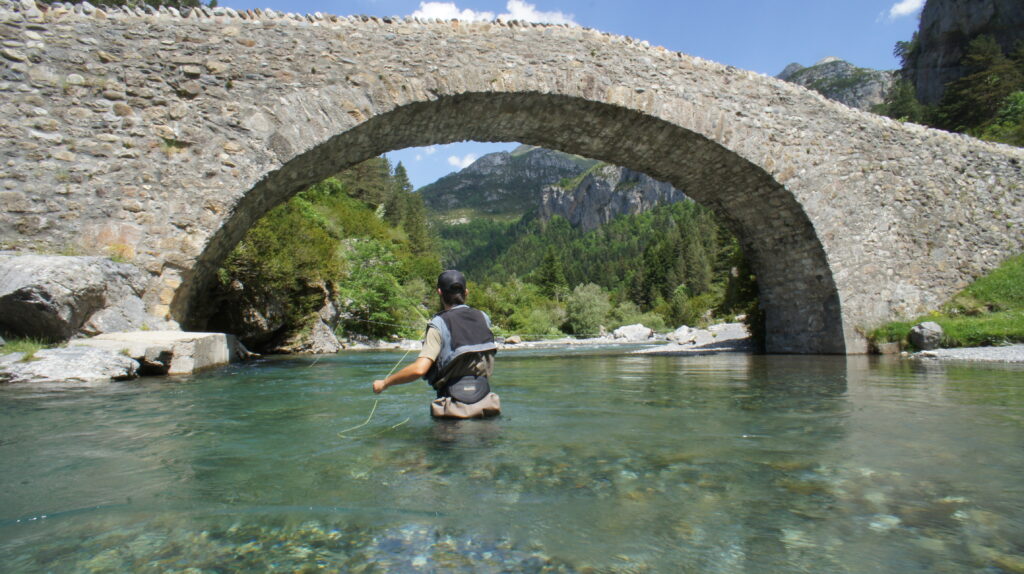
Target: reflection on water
608,463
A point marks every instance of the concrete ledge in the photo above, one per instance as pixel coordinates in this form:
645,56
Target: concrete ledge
169,352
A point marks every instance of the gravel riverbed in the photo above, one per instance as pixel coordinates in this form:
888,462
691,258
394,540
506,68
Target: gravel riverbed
734,338
1004,354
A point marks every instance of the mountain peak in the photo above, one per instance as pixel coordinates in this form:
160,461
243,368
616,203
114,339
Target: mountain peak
502,184
839,80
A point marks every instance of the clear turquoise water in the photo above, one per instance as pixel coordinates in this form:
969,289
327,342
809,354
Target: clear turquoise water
600,463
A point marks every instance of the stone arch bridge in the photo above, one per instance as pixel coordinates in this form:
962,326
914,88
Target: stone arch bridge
162,137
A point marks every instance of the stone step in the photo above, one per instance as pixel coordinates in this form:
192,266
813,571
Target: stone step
170,352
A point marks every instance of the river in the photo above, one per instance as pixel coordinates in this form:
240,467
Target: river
601,462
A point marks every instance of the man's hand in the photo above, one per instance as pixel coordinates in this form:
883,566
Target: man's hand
410,373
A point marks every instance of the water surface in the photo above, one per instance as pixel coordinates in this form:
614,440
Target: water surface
601,462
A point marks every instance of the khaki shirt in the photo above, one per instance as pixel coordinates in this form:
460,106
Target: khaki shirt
475,364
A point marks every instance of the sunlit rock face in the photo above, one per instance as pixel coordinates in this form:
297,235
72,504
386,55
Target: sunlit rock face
503,183
604,193
947,27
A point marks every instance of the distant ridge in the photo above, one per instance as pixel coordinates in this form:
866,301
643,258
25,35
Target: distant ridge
502,185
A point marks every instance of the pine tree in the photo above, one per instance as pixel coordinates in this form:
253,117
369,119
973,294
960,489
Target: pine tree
414,221
901,103
395,202
976,98
369,181
550,276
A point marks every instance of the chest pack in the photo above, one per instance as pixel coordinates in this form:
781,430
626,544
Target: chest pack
463,330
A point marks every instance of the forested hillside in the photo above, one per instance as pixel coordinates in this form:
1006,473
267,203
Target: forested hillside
669,266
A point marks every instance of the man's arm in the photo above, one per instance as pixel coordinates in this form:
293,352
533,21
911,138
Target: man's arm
408,374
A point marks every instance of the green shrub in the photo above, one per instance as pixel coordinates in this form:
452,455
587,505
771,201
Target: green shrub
370,294
539,323
586,309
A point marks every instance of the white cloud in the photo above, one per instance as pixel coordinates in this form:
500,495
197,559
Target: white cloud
462,162
429,150
449,11
519,10
516,10
905,8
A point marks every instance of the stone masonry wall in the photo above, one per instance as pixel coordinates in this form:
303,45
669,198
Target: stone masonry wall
161,137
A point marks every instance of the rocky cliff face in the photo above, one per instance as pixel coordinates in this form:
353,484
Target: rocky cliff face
503,183
604,193
947,27
843,82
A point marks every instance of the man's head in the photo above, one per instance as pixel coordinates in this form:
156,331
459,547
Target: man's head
451,285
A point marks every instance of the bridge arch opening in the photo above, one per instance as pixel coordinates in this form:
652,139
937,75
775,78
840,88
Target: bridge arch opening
797,291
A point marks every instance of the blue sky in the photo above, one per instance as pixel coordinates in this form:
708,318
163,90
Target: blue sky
759,35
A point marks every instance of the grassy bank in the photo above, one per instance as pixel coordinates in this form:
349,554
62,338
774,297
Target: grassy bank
28,346
988,312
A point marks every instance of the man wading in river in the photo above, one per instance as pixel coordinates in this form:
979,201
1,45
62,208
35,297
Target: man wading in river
457,356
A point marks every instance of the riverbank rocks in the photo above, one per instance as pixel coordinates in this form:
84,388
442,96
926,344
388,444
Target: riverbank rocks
926,336
633,333
71,365
56,297
170,352
318,339
689,336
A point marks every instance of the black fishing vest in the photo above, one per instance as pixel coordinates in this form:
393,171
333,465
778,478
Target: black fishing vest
463,330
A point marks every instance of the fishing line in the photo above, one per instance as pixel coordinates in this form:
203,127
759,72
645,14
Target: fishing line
341,434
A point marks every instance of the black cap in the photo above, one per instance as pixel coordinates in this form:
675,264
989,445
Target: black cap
451,281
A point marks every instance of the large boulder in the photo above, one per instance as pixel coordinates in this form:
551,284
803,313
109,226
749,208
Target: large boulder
318,339
633,333
254,316
260,319
689,336
926,336
56,297
74,365
170,352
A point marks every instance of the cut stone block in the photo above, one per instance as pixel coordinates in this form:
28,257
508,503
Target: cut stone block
169,352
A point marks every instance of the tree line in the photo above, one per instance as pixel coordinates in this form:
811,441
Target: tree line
670,266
